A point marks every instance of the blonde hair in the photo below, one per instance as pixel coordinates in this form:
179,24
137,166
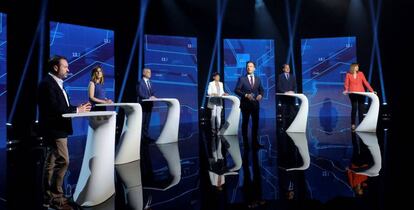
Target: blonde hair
352,68
94,77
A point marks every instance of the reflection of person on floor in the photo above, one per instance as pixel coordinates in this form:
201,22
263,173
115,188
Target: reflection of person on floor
286,83
292,183
96,91
361,160
215,88
250,90
355,82
145,91
217,164
252,183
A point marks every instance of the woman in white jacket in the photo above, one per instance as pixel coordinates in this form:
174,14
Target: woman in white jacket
215,88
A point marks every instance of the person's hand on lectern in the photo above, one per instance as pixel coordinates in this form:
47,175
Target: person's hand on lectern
108,101
225,94
289,92
259,97
345,92
153,97
86,107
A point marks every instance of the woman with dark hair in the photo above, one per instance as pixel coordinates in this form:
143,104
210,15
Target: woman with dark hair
215,88
355,82
96,91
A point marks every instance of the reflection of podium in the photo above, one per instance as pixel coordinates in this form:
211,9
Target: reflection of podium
369,123
299,123
169,132
130,142
171,154
130,175
371,140
96,179
234,151
231,126
302,144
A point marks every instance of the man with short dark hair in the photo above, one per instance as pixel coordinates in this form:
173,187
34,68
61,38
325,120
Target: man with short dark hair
286,83
53,103
249,88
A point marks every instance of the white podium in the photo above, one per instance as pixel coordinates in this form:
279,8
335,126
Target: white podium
369,123
130,174
171,154
96,179
300,141
128,149
299,123
169,132
231,125
371,140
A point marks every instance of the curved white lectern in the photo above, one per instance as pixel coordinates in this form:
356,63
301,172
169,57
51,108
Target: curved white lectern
96,179
369,123
172,156
231,125
130,175
128,149
169,132
299,123
371,140
299,139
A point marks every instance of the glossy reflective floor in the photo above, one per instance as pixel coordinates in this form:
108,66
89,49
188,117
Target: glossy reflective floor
329,167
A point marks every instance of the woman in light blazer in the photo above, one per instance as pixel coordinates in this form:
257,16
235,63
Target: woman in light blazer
215,88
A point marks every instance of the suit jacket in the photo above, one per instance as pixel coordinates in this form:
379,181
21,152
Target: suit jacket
212,88
284,85
52,104
144,93
243,87
356,84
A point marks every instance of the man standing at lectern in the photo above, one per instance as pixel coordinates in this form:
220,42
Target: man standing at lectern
249,89
53,102
286,83
145,91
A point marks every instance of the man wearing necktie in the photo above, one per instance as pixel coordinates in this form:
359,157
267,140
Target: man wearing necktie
286,83
53,103
145,91
249,89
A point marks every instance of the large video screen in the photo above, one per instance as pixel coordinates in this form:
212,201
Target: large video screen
261,51
3,102
173,63
85,48
3,79
325,62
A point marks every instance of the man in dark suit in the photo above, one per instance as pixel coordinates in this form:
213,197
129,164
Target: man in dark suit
145,91
286,83
249,89
53,102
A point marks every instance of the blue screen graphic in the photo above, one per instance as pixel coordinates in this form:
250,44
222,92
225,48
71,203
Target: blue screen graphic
85,48
173,63
325,62
3,79
3,102
236,53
